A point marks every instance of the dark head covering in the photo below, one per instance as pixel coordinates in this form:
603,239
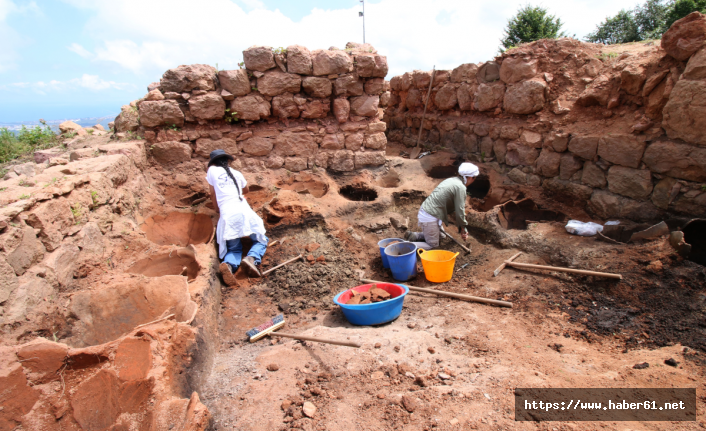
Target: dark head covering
217,154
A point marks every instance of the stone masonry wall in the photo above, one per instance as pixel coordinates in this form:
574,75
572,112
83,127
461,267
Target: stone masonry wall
293,109
623,133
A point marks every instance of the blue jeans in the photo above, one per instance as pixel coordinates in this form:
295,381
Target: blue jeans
235,251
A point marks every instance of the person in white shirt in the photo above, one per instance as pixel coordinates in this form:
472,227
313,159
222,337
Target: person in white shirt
237,220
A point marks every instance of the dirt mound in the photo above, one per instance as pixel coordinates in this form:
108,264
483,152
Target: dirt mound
179,228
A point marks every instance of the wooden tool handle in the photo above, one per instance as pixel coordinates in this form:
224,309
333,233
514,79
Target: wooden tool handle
561,269
468,250
281,265
501,267
450,294
318,340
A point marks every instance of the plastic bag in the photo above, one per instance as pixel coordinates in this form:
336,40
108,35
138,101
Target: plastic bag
576,227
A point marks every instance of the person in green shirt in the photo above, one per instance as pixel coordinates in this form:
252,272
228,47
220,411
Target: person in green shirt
448,197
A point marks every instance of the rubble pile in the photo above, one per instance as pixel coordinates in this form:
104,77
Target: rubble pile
619,133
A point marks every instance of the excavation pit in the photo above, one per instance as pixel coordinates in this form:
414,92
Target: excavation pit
305,184
173,263
179,228
358,193
695,234
517,214
192,199
479,188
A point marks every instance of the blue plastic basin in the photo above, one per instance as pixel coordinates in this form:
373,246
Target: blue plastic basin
377,312
384,243
403,260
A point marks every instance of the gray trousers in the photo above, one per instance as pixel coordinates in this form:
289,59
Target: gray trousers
431,233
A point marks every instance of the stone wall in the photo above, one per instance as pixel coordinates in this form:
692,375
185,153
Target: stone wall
622,132
293,109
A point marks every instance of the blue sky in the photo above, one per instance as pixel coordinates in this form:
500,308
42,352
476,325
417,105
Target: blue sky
86,58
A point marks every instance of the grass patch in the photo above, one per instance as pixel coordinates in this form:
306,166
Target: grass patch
26,141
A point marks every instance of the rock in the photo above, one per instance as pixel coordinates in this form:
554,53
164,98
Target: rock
317,86
489,96
171,152
633,183
632,79
349,85
516,69
95,401
565,188
42,156
28,298
42,359
336,141
257,146
641,366
593,176
664,192
53,218
354,141
204,146
369,158
275,162
341,109
374,86
376,141
517,176
62,262
127,120
316,108
531,139
464,73
548,163
28,252
154,95
342,161
598,92
445,98
464,95
409,403
209,106
671,362
28,169
696,67
365,106
295,144
8,280
683,115
624,150
272,367
235,82
309,409
569,165
443,376
488,72
295,164
371,66
685,36
276,82
431,350
376,127
585,147
525,98
327,62
259,58
677,160
519,154
91,240
188,78
252,107
385,99
299,60
161,113
284,106
71,127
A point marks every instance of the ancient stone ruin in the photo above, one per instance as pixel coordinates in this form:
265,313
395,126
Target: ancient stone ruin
113,315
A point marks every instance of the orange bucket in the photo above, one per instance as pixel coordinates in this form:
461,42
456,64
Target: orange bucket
438,264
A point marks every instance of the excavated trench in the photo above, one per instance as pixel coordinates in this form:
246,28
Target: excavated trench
358,193
181,262
179,228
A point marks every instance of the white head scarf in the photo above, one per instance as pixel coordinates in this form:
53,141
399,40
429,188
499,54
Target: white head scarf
468,170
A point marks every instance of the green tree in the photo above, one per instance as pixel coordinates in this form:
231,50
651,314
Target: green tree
618,29
649,19
531,23
681,8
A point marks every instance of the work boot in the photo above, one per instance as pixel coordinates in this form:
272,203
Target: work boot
227,274
250,268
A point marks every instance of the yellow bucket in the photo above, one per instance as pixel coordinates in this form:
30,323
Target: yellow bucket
438,264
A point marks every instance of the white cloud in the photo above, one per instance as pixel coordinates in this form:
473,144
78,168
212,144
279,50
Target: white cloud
86,81
412,33
80,50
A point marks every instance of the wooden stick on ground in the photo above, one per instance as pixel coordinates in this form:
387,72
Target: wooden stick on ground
449,294
468,250
510,262
154,321
301,256
318,340
501,267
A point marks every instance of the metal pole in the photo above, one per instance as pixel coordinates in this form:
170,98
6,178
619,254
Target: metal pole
363,1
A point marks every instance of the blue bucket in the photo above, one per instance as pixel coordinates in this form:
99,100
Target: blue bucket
403,260
376,313
384,243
